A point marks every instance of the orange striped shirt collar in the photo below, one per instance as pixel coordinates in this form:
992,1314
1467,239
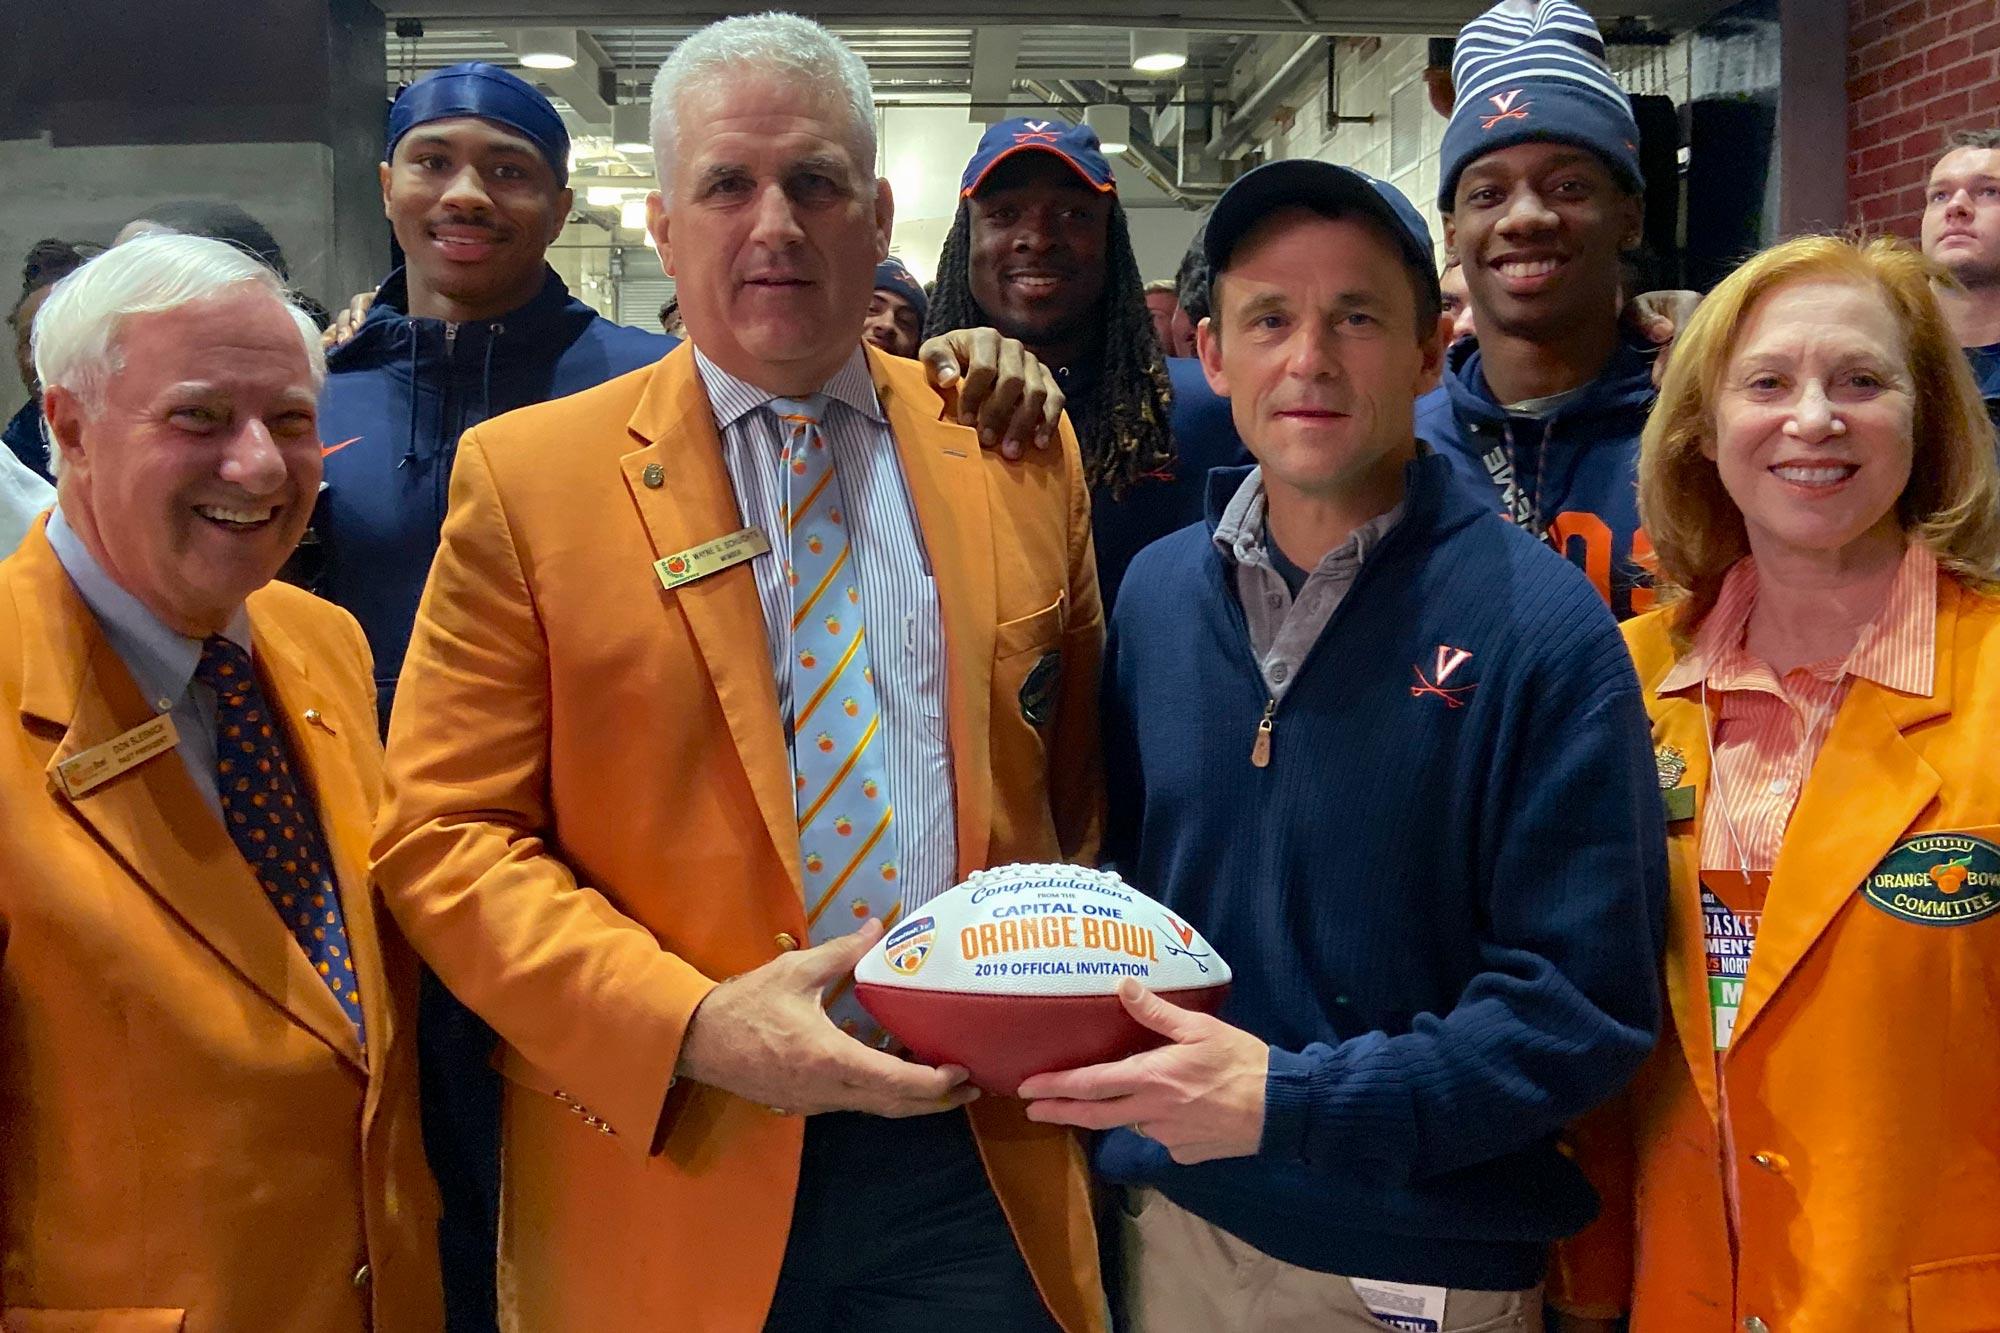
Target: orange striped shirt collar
1897,649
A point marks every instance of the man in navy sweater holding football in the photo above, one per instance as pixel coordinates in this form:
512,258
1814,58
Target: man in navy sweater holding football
1440,873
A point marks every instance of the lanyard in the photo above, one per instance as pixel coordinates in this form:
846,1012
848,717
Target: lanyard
1719,795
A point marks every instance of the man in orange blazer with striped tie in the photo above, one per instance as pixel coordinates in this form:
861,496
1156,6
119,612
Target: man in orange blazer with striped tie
780,655
208,1099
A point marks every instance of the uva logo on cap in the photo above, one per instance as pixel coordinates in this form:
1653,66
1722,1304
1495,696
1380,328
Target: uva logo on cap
1506,109
1038,131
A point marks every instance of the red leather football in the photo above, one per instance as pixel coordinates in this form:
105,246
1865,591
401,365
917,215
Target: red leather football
1015,972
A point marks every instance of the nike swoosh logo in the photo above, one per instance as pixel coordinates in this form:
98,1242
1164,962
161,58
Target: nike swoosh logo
329,450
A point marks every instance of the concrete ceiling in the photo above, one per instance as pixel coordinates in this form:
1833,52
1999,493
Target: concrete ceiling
1330,17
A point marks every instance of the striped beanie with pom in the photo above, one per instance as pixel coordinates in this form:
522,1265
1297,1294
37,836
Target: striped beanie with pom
1533,71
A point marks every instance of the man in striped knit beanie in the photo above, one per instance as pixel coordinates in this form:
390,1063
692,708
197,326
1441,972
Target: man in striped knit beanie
1540,189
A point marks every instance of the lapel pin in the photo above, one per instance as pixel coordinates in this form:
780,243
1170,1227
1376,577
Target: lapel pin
1671,764
654,476
315,718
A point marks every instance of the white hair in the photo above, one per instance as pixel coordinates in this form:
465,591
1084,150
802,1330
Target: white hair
774,43
77,328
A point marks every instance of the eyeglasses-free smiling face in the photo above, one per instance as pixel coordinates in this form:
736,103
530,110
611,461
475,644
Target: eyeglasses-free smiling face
194,479
1814,419
1037,259
475,208
1538,229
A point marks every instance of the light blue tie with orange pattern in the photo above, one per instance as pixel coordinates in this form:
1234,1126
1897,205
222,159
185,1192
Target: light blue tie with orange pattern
846,842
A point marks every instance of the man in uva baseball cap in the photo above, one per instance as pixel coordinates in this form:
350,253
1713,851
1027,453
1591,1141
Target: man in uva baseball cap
1040,250
1361,633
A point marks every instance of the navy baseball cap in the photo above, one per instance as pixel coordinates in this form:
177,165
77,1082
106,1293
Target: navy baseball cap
1075,144
487,92
892,276
1309,183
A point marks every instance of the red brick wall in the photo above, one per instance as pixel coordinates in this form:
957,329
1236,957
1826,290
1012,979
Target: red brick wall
1916,70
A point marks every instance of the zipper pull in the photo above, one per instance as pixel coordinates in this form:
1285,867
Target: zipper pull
1260,749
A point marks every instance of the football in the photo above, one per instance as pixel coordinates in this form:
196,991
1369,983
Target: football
1015,972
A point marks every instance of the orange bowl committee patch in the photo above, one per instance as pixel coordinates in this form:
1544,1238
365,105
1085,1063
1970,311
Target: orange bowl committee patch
1937,879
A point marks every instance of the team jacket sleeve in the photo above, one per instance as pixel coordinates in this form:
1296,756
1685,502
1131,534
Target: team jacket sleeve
1566,1005
463,854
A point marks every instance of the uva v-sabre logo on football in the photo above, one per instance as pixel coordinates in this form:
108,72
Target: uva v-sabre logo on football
1937,879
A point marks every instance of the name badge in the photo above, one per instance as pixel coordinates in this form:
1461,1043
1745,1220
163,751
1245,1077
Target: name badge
1680,803
698,562
1404,1305
99,764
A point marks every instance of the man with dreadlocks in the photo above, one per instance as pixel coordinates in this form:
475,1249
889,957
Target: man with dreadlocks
1040,251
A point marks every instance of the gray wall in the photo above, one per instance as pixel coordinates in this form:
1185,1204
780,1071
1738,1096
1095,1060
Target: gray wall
108,107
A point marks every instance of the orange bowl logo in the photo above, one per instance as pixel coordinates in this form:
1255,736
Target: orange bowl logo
677,565
908,946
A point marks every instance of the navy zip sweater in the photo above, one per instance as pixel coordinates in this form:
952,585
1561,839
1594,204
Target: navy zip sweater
398,395
1443,899
1571,476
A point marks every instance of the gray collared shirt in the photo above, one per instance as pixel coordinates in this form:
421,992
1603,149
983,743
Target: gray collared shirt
161,660
1283,629
898,597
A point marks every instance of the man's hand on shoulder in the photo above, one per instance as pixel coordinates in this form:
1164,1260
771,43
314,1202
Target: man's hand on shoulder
1002,388
348,322
764,1037
1201,1095
1659,317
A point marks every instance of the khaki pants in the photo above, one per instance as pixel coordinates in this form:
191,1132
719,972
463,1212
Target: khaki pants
1182,1275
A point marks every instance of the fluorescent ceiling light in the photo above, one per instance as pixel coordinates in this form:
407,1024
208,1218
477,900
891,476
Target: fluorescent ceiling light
546,48
632,214
603,196
1159,50
631,128
1113,123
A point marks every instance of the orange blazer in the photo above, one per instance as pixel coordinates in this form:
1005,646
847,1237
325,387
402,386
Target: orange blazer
1862,1085
590,822
189,1135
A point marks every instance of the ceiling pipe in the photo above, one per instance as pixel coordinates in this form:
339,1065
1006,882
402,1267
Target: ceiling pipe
1237,132
1154,165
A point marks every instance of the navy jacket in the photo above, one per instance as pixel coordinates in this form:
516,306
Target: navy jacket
1204,438
1571,477
1986,370
23,434
1443,899
397,397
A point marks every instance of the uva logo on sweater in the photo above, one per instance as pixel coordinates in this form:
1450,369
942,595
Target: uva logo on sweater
1444,667
1505,109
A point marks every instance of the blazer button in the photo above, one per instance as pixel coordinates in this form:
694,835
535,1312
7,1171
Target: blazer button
1755,1325
1772,1162
786,941
363,1276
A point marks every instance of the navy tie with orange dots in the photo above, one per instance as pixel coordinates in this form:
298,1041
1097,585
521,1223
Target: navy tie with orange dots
271,822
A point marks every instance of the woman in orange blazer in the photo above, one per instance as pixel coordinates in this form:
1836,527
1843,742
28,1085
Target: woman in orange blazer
1817,1147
